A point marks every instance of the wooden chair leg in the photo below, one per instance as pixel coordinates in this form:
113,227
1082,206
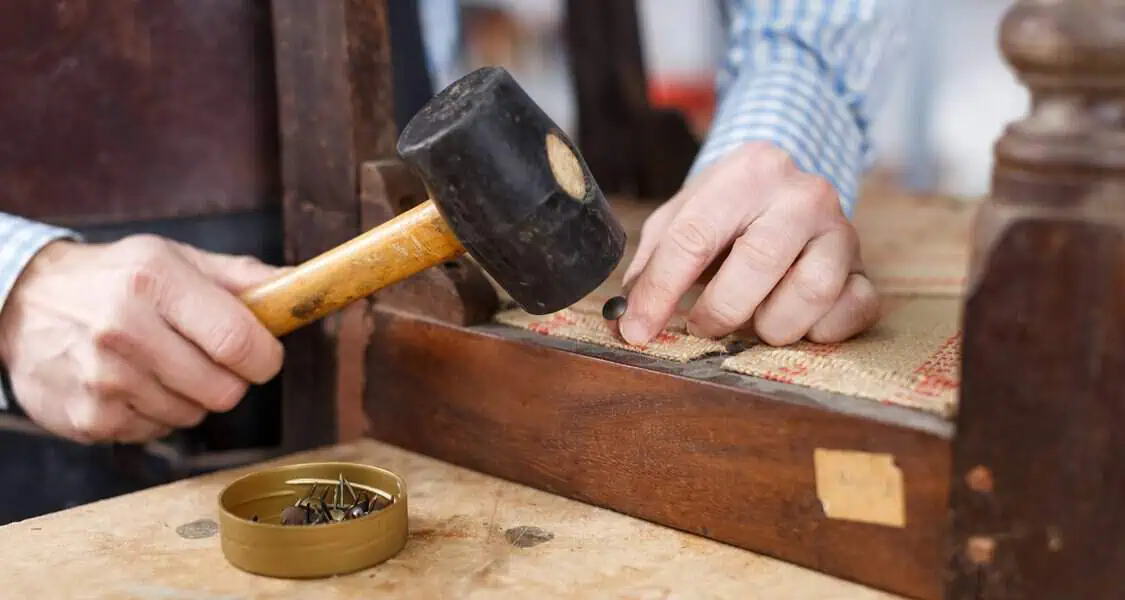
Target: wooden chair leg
631,149
1039,459
335,104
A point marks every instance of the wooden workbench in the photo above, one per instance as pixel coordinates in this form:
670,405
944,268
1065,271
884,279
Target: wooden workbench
465,541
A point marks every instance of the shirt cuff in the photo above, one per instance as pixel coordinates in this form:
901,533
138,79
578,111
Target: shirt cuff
20,241
796,109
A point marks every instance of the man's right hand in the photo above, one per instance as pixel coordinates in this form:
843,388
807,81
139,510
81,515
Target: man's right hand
130,340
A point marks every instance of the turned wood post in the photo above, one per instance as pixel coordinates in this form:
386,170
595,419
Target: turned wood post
1038,483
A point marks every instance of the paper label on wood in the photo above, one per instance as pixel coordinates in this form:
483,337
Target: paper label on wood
860,486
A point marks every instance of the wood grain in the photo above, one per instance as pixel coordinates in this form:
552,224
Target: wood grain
1038,472
333,68
411,242
730,462
457,291
127,110
470,536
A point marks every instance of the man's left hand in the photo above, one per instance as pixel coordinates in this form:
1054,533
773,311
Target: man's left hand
792,266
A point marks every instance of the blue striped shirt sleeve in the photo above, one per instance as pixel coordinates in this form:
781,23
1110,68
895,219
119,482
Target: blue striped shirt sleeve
20,240
807,76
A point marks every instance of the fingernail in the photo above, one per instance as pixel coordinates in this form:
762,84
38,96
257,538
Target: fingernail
633,330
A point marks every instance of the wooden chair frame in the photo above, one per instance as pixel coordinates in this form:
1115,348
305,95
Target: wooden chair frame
1012,500
1018,498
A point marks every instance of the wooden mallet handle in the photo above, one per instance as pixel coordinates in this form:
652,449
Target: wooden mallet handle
407,244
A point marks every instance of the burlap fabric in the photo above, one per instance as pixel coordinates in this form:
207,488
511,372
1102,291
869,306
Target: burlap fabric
911,358
585,324
915,245
915,249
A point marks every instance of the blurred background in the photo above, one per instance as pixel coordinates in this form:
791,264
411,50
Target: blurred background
951,99
930,136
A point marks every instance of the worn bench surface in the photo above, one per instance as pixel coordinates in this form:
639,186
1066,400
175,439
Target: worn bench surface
155,544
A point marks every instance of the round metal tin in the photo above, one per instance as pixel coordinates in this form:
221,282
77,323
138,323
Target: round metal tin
266,547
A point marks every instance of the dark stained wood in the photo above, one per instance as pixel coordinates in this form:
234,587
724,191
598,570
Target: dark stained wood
120,110
1039,461
631,149
411,77
335,99
730,459
455,292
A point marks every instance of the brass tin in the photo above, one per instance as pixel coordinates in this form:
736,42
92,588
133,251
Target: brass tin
267,547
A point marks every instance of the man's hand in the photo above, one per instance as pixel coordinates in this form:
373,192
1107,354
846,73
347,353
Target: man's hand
127,341
793,267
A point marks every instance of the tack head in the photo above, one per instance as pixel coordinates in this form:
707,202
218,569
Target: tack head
614,308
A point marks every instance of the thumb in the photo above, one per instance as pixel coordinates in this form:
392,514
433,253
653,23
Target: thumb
235,273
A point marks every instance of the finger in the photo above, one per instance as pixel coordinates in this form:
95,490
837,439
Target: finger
154,401
236,274
809,290
140,429
178,365
94,419
691,242
758,260
855,310
701,230
221,326
114,377
656,225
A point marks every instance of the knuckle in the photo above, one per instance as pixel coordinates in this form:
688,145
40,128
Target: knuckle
820,188
148,259
143,280
765,159
819,195
693,237
244,264
106,383
233,344
816,284
112,336
144,243
760,252
725,315
144,247
245,261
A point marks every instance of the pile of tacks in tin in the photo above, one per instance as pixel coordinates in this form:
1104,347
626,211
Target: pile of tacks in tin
344,504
